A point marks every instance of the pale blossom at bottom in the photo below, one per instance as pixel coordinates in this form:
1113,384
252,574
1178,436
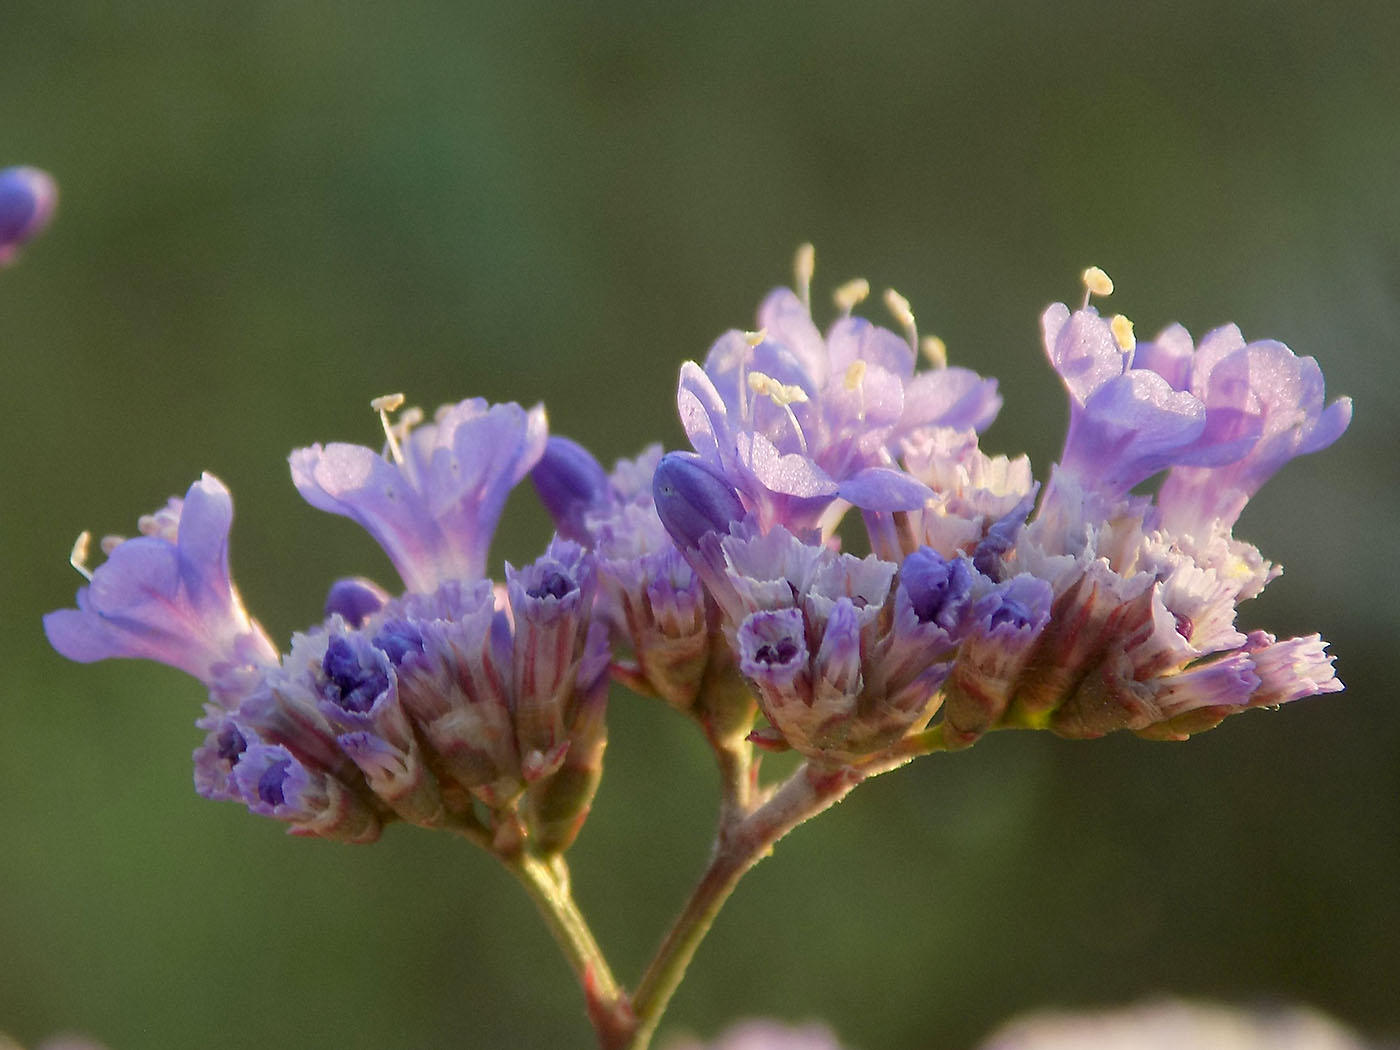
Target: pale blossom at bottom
1176,1025
762,1034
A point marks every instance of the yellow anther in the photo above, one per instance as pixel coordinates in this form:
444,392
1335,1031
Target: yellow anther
756,338
899,306
1096,282
780,394
1122,332
79,556
804,265
855,375
851,294
935,350
387,403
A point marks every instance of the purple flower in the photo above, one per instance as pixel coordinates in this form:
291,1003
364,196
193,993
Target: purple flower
795,421
569,482
550,600
167,596
1279,394
355,599
693,499
1224,416
434,504
28,197
274,783
1125,423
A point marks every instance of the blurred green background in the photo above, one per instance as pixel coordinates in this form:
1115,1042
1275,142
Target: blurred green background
274,212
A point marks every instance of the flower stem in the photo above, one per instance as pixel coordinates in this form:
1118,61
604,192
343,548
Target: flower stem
547,883
742,843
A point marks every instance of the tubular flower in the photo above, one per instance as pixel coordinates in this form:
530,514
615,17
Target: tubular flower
796,421
167,596
434,502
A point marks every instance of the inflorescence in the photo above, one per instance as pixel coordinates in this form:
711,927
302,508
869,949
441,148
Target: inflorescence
714,580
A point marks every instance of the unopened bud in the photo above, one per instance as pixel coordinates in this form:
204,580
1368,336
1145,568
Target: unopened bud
568,481
693,499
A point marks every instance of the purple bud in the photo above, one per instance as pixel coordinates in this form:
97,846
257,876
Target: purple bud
355,599
569,481
693,499
937,589
349,683
398,639
28,197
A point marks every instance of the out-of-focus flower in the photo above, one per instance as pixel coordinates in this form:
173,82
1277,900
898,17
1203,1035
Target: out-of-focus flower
55,1042
1176,1025
765,1035
28,197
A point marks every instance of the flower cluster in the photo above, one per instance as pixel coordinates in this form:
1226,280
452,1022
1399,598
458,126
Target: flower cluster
714,579
456,704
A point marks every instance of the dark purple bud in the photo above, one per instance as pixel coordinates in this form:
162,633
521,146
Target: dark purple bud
230,743
349,683
552,584
355,599
1013,612
27,200
693,499
270,783
938,590
398,639
1000,538
569,481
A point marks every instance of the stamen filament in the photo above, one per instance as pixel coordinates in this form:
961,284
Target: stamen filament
935,351
804,265
899,306
850,295
79,555
384,405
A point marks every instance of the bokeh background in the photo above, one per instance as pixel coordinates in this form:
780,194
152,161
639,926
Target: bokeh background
273,212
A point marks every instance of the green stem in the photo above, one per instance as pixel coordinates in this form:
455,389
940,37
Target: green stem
742,842
547,883
741,845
